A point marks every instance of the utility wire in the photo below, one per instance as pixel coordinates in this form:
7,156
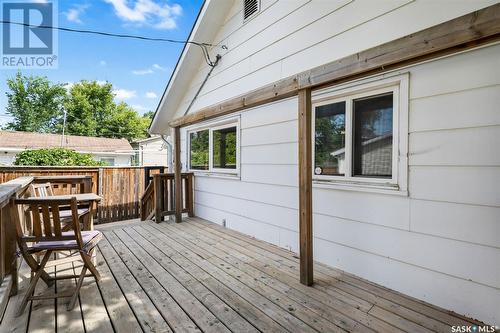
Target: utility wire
203,46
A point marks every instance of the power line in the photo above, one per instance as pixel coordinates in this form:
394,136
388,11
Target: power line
203,46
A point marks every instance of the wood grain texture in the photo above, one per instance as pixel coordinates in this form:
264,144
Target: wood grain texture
305,188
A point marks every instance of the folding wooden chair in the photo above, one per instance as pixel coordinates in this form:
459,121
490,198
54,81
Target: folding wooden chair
44,190
47,239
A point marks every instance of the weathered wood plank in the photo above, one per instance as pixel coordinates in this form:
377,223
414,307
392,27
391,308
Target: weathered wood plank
284,318
10,323
246,309
67,321
223,311
147,314
471,30
120,313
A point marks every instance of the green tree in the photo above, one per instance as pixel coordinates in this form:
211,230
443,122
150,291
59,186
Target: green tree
34,103
91,111
55,157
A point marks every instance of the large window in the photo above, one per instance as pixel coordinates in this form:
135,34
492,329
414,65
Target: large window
215,148
360,135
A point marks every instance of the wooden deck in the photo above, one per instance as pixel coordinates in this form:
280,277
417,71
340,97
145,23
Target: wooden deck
196,276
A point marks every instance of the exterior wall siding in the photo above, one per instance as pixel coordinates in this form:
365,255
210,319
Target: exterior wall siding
439,243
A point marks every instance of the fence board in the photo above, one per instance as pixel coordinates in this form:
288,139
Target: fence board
121,188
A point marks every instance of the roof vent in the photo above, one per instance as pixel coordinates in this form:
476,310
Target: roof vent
250,7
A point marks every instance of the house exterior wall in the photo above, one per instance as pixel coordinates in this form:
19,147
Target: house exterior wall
8,158
441,242
153,153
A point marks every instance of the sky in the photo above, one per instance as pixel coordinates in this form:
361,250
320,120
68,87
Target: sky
138,70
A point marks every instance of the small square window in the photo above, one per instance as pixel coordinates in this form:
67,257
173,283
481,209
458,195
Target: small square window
224,148
199,146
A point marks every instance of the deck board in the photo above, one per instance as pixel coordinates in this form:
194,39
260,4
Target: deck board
199,277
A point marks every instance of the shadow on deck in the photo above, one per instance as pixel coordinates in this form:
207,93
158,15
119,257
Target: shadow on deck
197,276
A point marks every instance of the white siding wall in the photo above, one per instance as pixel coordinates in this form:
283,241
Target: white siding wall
442,243
153,153
290,36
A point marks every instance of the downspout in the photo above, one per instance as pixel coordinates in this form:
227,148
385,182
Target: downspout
169,152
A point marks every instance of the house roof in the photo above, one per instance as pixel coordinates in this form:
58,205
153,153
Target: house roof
207,24
31,140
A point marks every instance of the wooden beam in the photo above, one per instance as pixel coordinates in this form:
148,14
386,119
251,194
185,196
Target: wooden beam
305,187
468,31
178,176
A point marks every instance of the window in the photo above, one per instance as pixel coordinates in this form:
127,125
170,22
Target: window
360,135
110,161
224,148
199,150
250,7
215,148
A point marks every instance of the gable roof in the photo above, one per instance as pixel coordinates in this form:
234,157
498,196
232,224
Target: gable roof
207,24
31,140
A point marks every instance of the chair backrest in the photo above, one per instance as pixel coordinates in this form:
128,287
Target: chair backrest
41,190
45,217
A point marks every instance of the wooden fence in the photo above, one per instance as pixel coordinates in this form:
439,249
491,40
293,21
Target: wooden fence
121,188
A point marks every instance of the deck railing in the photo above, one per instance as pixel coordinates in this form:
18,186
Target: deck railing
121,188
158,200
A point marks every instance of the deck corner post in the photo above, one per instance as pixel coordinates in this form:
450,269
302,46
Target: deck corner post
305,187
177,175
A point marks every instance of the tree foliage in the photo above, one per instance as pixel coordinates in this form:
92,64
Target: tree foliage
38,106
55,157
34,103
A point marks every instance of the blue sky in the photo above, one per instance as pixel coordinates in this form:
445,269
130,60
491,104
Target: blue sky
138,70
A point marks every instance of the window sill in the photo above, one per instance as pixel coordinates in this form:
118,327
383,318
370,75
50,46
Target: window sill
391,189
208,174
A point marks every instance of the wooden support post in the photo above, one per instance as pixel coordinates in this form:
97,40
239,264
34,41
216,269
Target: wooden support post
305,187
177,176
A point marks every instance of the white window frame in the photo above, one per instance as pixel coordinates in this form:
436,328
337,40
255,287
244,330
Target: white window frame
398,85
211,127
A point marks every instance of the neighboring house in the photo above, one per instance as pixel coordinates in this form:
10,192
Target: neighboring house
115,152
151,151
418,210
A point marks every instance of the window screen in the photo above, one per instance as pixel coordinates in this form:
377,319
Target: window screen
224,148
250,7
198,154
372,139
329,156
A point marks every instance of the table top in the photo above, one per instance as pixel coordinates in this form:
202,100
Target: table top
79,197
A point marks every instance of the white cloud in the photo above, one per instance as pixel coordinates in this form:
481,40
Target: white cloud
150,70
69,85
73,14
143,71
160,68
103,63
147,12
151,94
124,94
101,83
140,108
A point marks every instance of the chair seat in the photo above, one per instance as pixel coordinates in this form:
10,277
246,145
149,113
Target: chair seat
66,214
90,239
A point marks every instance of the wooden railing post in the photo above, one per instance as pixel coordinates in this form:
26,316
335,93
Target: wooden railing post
9,246
178,176
305,187
190,194
157,198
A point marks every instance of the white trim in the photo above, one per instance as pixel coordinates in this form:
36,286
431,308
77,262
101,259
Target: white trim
225,122
399,86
